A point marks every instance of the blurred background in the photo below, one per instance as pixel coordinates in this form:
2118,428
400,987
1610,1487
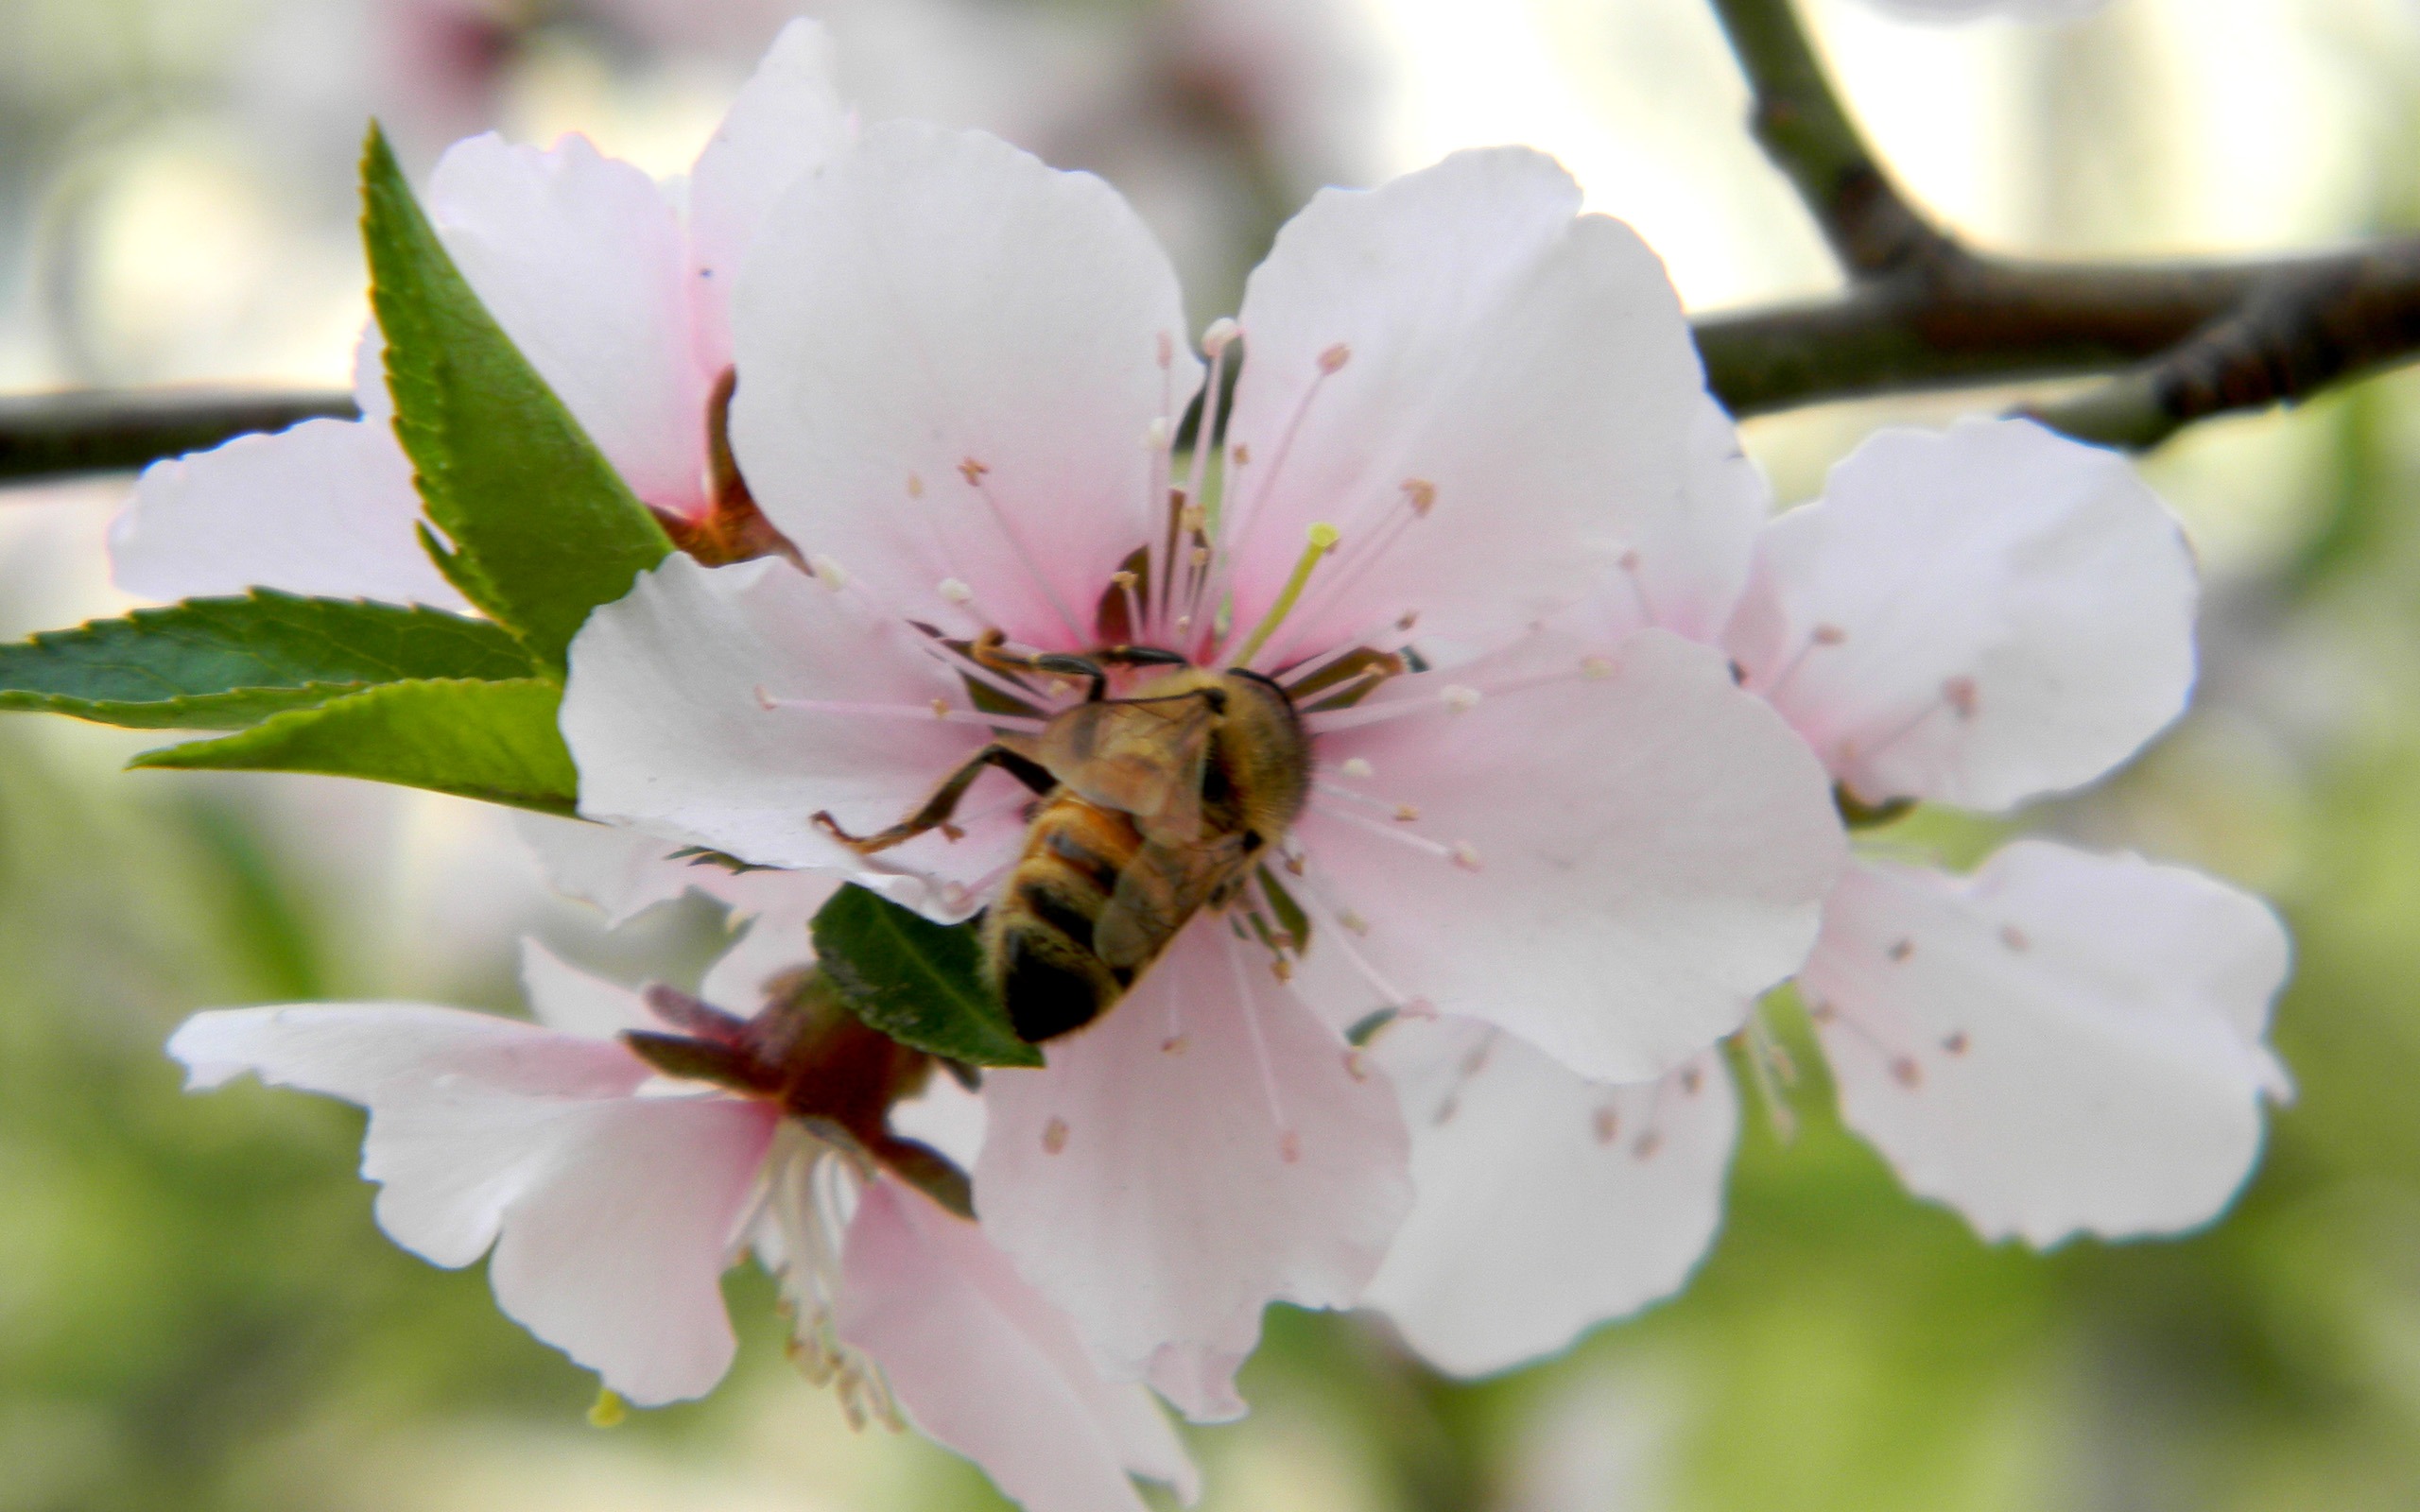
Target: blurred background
195,1310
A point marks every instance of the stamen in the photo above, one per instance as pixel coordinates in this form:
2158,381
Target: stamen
939,709
1451,853
1453,699
1342,926
1289,1147
1950,698
1356,768
1330,362
1124,582
1322,540
828,572
1762,1064
956,895
1631,573
1215,341
1820,635
974,473
1340,696
1401,813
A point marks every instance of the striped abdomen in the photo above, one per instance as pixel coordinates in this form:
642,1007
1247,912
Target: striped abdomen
1038,937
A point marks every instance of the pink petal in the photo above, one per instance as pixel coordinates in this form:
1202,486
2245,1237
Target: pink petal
981,1364
1145,1182
611,1214
581,259
1975,616
2062,1044
1520,372
325,507
949,356
1546,1204
666,712
615,1251
1610,854
786,123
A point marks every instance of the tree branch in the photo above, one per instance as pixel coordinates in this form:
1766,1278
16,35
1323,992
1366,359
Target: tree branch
1989,320
1803,126
2179,342
102,430
1922,311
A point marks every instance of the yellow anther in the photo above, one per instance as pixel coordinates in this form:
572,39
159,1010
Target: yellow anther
608,1411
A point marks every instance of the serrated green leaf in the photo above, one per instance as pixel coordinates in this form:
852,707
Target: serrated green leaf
919,981
227,663
492,741
541,527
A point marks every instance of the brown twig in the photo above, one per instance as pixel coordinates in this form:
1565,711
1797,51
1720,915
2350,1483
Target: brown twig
2179,342
101,430
1922,311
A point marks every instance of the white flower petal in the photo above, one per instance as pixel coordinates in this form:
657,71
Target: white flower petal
1689,563
1143,1183
981,1364
786,123
666,712
772,944
1974,616
1611,858
1515,384
946,1116
611,1214
625,873
1545,1204
568,999
949,355
325,507
1200,1379
581,259
2064,1042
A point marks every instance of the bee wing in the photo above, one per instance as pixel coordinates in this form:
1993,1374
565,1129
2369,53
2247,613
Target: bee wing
1158,890
1139,756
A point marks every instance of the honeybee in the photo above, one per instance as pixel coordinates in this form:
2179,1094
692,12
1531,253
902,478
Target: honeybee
1149,808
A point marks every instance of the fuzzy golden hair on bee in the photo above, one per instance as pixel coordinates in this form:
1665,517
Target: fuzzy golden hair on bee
1152,808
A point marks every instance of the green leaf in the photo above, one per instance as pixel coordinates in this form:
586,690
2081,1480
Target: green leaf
919,981
226,663
541,527
492,741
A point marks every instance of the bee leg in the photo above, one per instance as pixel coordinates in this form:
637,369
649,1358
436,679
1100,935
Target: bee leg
987,651
1138,656
936,811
